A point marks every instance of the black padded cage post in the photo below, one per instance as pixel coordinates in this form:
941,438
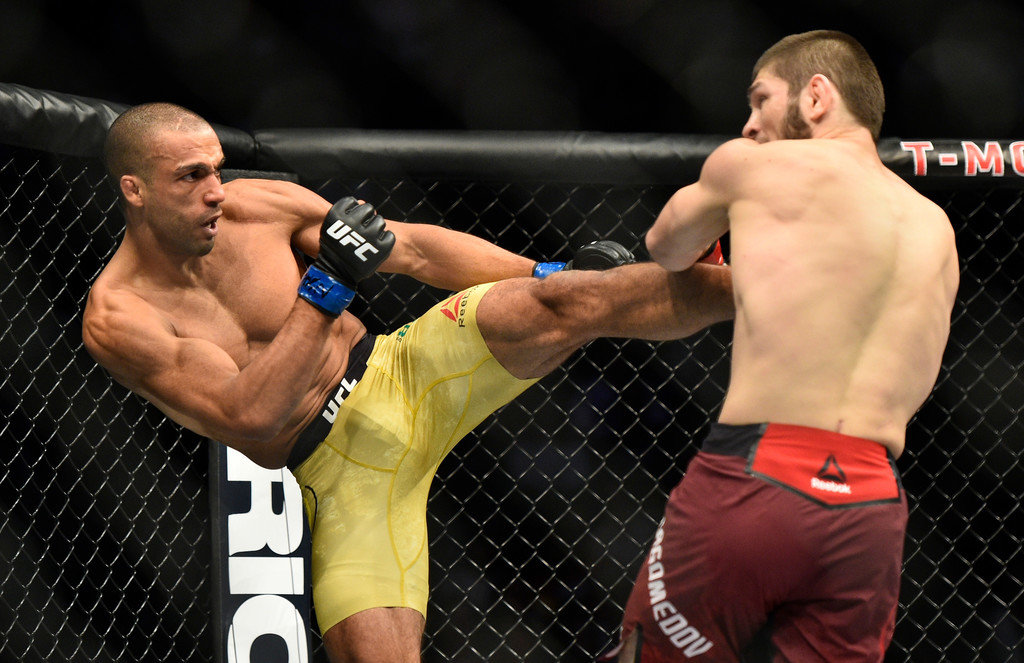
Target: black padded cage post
261,554
260,562
540,518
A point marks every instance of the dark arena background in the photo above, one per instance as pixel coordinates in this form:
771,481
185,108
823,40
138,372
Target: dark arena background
539,519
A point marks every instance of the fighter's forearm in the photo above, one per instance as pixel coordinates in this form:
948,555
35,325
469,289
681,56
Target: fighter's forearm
262,398
450,259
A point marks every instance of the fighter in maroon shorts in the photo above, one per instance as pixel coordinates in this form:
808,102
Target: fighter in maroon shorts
770,515
790,521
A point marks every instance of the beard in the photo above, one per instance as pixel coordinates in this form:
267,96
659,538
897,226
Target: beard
795,127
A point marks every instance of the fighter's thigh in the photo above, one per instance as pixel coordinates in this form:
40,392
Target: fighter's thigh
717,565
442,343
449,378
378,635
368,547
682,606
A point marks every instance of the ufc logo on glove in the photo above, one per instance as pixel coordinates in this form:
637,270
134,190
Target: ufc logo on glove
342,232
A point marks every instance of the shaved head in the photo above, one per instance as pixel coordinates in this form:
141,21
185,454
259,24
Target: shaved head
127,149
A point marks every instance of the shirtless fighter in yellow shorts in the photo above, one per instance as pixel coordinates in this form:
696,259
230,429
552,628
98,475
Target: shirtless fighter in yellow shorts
197,312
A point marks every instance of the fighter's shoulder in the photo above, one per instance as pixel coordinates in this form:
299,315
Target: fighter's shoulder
116,314
265,200
249,186
731,153
739,157
937,219
922,206
113,300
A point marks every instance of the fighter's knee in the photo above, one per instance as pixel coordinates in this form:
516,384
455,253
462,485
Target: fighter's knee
376,635
569,304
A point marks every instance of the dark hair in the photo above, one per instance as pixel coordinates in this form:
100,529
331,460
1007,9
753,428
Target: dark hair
840,57
125,150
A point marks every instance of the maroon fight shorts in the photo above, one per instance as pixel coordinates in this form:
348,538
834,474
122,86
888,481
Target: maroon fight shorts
791,534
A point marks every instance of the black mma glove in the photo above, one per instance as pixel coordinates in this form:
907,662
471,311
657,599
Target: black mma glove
599,255
353,244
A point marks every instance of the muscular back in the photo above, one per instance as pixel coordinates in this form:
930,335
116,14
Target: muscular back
844,280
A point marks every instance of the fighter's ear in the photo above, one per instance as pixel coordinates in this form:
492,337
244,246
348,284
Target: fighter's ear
820,97
131,189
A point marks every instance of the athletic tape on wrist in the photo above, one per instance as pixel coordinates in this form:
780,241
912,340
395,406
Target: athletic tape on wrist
542,269
325,292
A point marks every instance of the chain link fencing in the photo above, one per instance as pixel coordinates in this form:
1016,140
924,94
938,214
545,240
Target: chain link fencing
540,518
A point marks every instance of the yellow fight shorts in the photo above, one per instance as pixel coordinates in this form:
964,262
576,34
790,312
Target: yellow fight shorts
365,486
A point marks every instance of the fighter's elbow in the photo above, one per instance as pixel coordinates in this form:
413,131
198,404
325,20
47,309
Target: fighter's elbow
669,256
251,426
656,246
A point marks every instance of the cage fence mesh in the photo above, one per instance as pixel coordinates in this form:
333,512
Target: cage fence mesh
540,518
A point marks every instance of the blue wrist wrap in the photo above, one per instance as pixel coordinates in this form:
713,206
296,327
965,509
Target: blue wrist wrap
542,269
325,292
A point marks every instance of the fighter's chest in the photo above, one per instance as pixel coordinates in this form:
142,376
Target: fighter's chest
243,304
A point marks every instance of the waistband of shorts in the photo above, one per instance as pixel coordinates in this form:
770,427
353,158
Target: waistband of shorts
317,430
739,440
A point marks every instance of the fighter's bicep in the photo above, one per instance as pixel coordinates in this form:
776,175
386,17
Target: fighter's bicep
192,385
699,205
698,214
690,222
